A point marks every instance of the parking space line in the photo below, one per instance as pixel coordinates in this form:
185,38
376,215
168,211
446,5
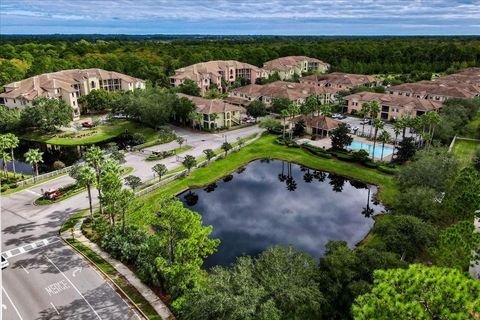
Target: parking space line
76,289
11,302
25,269
54,308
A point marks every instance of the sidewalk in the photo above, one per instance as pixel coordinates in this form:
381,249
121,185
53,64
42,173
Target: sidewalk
144,290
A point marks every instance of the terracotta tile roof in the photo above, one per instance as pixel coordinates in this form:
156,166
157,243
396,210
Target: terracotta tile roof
211,105
410,103
237,101
320,122
448,89
45,85
287,63
290,90
210,69
340,78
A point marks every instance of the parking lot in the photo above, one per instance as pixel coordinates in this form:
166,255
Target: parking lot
357,123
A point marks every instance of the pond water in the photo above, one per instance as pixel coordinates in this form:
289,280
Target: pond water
273,202
51,153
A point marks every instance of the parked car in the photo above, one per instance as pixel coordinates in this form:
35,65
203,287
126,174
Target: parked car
366,121
338,116
87,124
52,194
4,262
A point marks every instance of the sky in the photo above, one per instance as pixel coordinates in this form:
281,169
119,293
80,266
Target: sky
235,17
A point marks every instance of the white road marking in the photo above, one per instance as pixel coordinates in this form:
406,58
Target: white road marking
76,289
29,247
15,308
77,269
25,269
51,303
57,287
35,193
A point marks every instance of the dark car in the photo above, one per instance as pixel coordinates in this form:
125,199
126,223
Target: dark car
4,262
87,124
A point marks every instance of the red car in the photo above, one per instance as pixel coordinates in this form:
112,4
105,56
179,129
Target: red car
87,124
52,194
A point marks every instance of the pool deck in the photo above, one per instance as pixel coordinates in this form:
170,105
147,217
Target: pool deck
326,143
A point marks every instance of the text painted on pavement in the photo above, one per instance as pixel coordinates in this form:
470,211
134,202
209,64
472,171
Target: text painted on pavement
57,287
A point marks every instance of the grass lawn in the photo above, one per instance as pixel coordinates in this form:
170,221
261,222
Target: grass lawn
142,212
465,149
91,136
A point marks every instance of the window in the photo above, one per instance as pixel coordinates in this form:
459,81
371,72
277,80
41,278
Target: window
93,84
14,101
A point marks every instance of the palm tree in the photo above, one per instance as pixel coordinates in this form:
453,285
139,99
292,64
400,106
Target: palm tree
96,159
125,201
213,118
363,113
326,110
34,156
405,122
433,120
284,113
293,110
383,137
377,124
374,109
6,157
85,176
195,117
13,142
397,128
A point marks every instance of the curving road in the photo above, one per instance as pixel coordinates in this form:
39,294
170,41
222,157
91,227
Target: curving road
46,279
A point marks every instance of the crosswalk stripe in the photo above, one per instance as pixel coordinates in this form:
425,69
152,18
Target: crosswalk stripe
32,246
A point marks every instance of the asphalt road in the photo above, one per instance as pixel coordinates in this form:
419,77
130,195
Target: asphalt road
46,279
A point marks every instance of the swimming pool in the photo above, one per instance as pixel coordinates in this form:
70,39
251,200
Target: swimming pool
357,145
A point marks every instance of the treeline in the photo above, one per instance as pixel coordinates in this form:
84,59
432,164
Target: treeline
155,59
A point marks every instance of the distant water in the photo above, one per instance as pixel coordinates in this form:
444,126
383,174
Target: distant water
276,203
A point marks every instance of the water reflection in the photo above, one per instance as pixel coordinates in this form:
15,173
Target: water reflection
279,203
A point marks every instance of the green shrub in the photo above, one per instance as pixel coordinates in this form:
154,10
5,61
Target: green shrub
138,138
370,164
13,185
4,188
387,170
360,156
344,156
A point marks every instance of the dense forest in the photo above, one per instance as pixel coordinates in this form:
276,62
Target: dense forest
156,57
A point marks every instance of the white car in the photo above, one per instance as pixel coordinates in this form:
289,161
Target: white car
4,262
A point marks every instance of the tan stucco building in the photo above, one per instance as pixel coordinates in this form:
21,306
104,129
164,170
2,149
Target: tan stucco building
288,67
295,92
67,85
391,106
228,115
211,74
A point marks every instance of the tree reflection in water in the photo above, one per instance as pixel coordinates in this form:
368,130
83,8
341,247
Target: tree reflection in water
191,198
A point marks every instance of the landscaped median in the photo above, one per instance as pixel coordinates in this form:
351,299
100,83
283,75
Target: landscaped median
265,147
94,135
69,191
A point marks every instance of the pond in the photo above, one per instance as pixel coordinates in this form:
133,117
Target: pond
69,155
273,202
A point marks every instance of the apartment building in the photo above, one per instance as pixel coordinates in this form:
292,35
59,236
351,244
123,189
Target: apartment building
295,92
341,81
217,73
436,90
391,106
67,85
288,67
227,115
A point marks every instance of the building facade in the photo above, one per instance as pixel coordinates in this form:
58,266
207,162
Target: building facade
288,67
391,106
341,81
67,85
227,115
215,74
295,92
